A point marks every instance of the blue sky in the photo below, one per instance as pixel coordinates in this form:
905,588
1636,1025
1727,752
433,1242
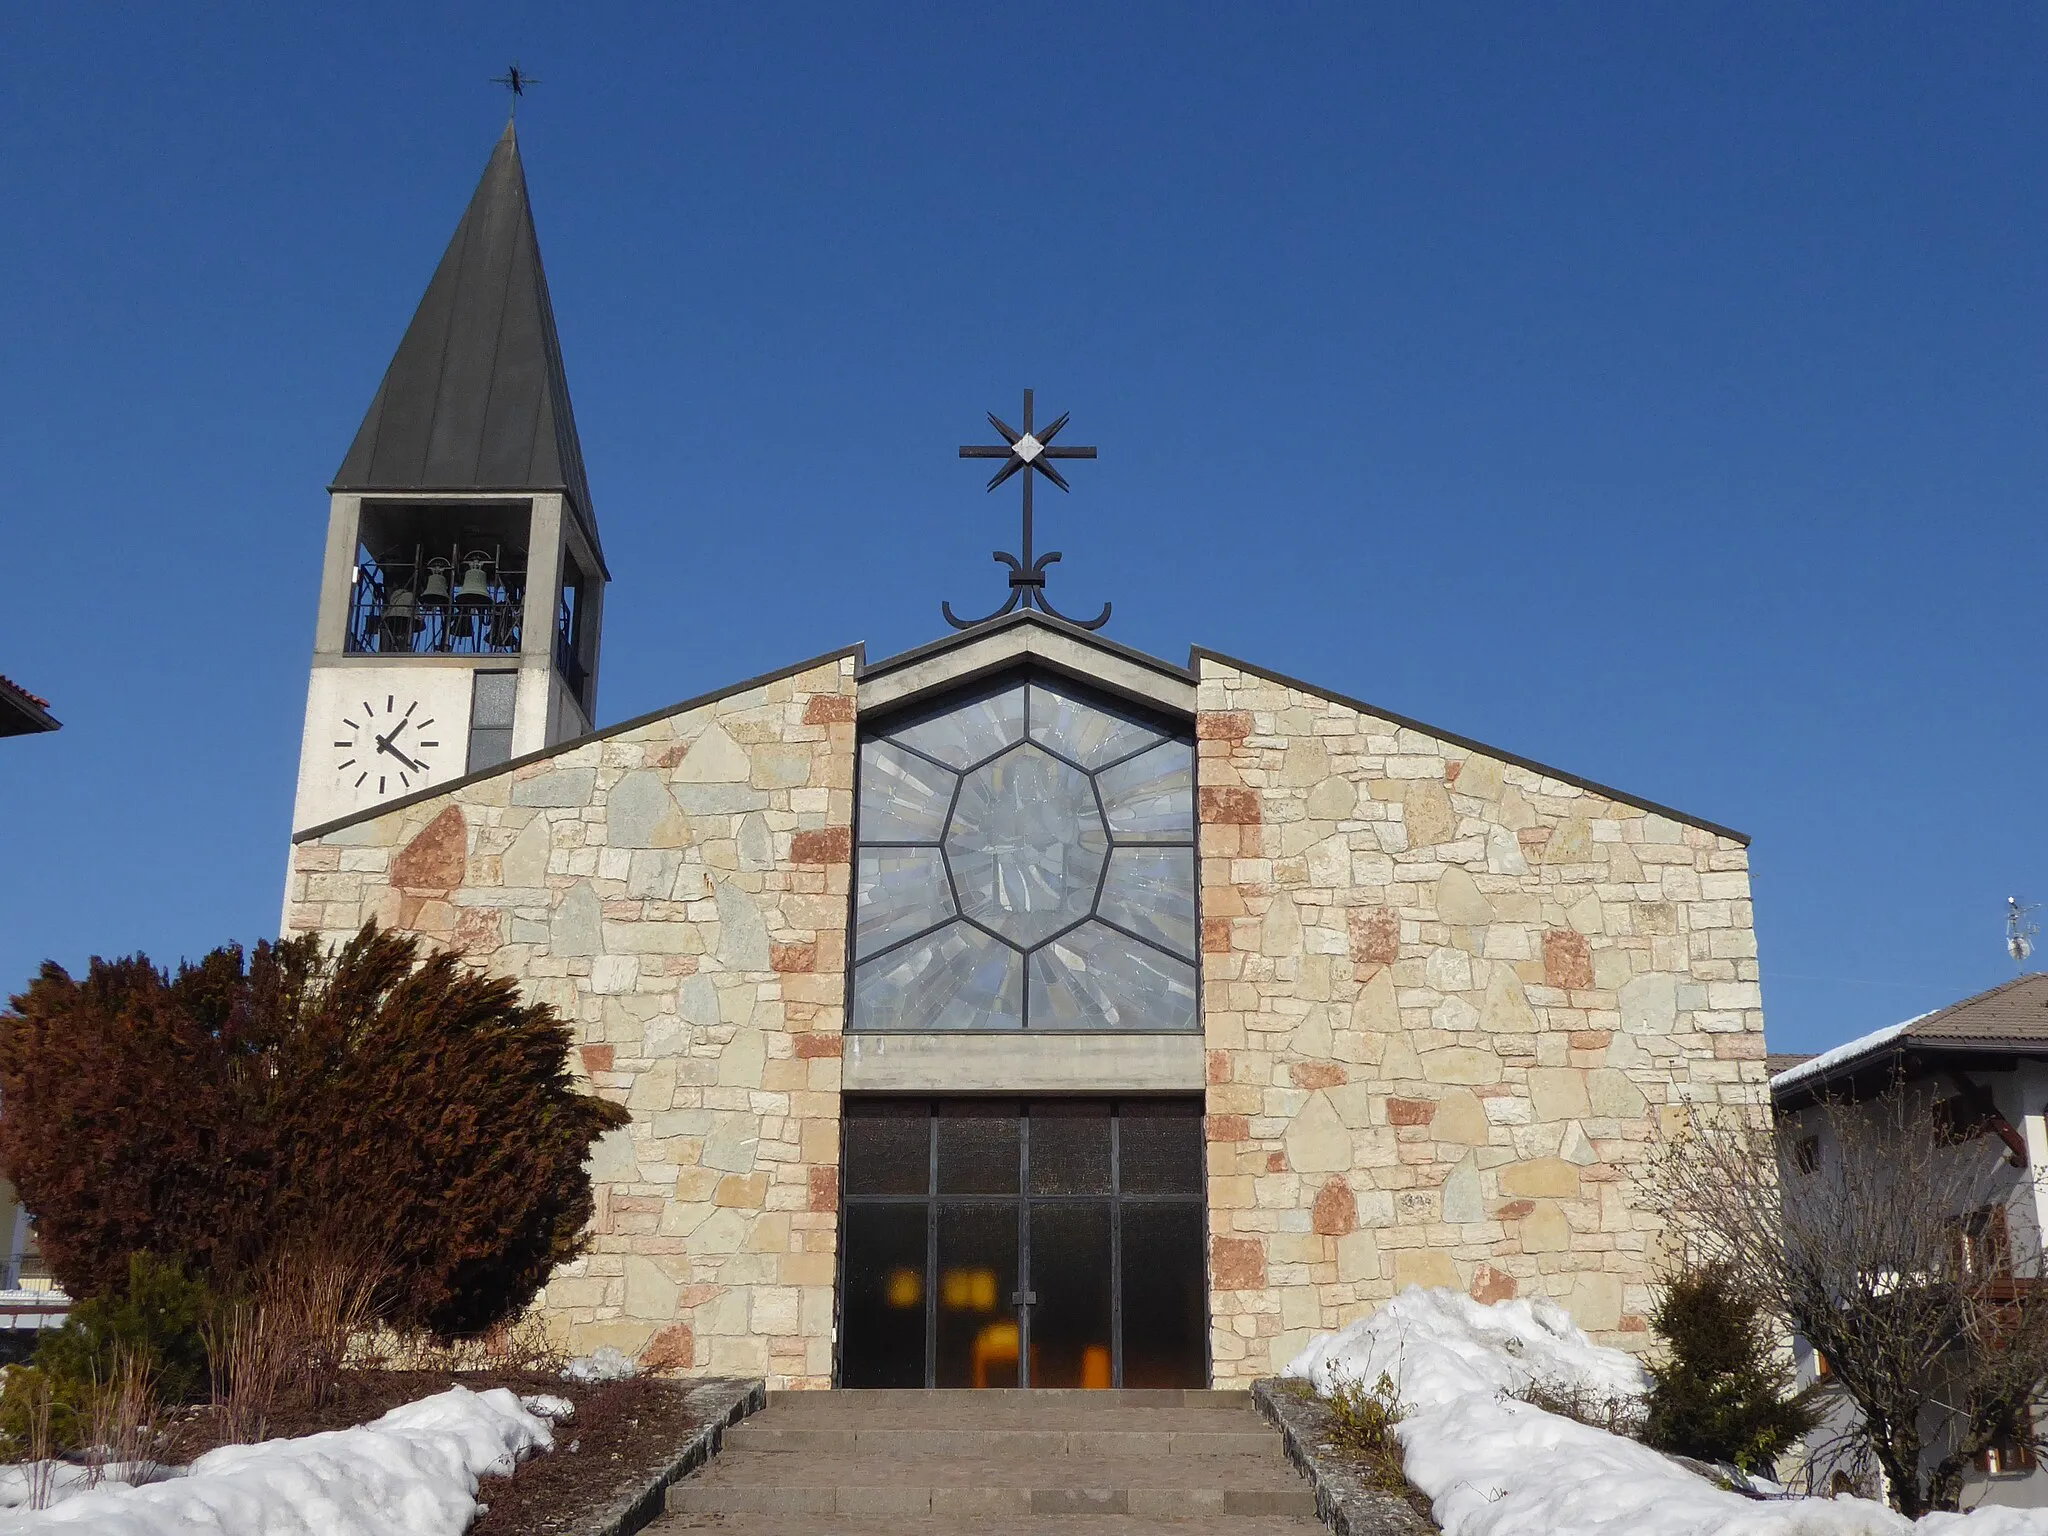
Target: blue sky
1652,391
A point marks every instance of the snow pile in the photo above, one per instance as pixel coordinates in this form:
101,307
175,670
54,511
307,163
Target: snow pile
545,1405
1493,1466
605,1364
411,1473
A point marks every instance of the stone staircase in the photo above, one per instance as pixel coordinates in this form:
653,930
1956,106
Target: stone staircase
1079,1463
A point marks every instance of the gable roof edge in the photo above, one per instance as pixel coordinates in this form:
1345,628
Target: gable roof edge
1198,654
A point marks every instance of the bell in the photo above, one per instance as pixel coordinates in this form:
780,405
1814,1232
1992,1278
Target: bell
435,593
402,613
474,592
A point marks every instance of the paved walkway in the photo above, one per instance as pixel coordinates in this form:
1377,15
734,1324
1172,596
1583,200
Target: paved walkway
1056,1463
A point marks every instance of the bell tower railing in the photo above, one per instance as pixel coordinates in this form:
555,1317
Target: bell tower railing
458,601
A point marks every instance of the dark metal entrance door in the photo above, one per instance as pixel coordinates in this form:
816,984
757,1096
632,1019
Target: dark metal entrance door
1003,1243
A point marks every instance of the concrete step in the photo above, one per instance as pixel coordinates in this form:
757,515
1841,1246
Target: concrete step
984,1503
942,1400
887,1440
1013,1525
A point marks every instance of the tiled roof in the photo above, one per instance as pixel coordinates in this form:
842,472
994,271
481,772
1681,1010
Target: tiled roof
2011,1017
21,712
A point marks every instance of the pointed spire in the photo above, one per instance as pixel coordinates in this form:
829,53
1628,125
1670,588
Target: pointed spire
475,398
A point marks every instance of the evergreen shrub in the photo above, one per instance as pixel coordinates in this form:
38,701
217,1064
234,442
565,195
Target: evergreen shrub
1723,1393
410,1110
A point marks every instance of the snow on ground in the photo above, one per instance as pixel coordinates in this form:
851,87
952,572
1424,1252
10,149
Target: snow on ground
412,1472
606,1364
1493,1466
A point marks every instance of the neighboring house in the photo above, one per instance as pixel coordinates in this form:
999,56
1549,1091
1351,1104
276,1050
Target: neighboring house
28,1297
21,712
1983,1065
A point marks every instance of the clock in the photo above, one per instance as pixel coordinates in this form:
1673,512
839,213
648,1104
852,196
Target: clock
387,748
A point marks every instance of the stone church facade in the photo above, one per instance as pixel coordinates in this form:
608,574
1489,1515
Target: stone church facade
1367,1004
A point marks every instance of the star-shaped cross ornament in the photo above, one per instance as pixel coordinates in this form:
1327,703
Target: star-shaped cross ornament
1029,452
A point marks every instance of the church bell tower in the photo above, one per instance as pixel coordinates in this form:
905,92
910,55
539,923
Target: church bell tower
463,586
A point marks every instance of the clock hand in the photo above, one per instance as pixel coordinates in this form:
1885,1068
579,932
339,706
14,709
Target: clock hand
384,745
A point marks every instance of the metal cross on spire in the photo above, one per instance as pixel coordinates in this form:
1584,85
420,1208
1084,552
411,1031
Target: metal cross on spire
516,81
1029,453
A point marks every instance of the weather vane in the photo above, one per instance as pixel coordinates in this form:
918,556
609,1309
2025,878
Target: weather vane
1027,452
515,81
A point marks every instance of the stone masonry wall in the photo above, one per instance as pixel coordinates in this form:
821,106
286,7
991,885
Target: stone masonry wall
1446,998
679,890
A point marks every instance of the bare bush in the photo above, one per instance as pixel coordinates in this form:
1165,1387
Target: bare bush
1616,1413
1886,1250
520,1345
125,1426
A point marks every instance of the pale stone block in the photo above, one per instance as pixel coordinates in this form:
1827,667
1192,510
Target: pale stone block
1280,928
1649,1005
1333,799
1576,1148
650,1293
742,935
1458,900
1559,1093
775,1309
1301,1307
737,1355
613,1159
574,927
723,1231
1450,970
641,813
1426,813
1358,1257
1505,1010
1461,1196
1460,1120
1544,1230
1426,1267
1480,777
1571,843
713,758
1318,1141
611,974
1376,1010
1594,1301
741,1062
561,787
1547,1177
1614,1095
628,1338
1461,1064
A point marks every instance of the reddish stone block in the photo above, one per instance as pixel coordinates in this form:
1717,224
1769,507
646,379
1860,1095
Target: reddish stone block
1316,1074
1490,1285
597,1058
1631,1323
672,1349
811,1046
1215,935
1514,1210
1375,935
476,930
1533,840
437,858
1229,806
824,1189
1567,961
1336,1209
828,709
1219,1066
1591,1039
1410,1111
1451,772
829,845
1276,1162
1237,1263
1229,1128
793,957
1223,725
1746,1047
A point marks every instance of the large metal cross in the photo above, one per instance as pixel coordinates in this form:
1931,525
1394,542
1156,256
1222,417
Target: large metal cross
1029,453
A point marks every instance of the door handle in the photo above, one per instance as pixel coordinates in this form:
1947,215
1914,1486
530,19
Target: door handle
1023,1298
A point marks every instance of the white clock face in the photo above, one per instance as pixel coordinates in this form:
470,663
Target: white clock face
387,751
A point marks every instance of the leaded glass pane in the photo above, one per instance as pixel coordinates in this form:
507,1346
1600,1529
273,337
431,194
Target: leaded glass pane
898,892
1026,845
959,978
1095,978
1151,798
1087,733
1151,891
903,798
965,735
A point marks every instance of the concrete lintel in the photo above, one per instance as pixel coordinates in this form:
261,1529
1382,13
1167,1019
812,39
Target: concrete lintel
1023,1063
1011,644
